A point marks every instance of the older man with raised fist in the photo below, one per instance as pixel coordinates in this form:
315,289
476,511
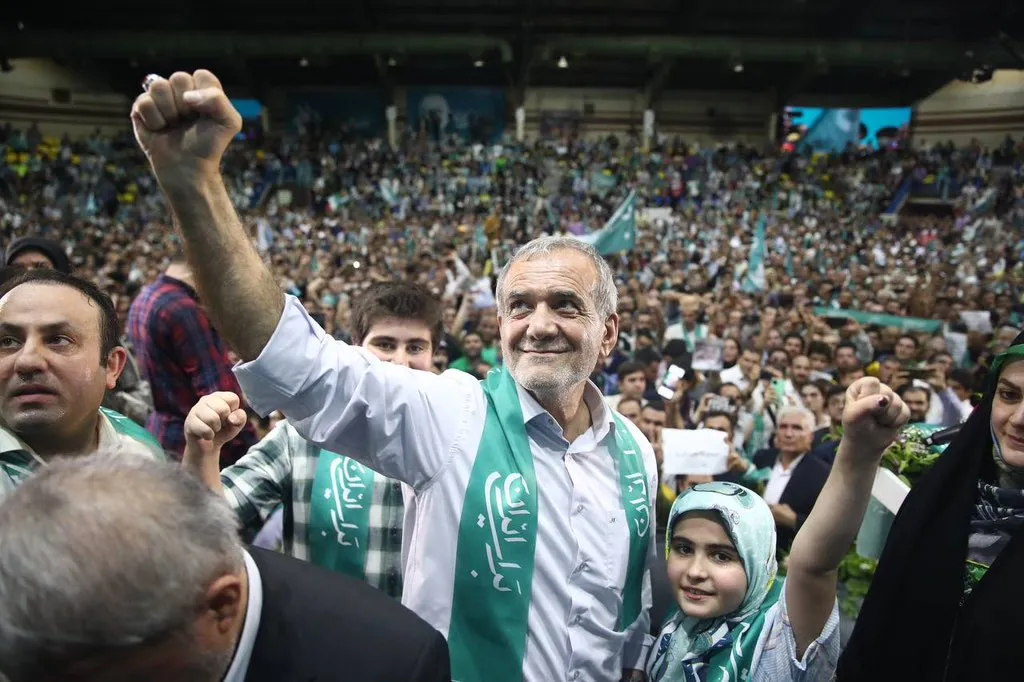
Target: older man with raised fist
530,540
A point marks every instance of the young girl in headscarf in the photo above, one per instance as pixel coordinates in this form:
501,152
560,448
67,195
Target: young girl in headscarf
737,619
946,602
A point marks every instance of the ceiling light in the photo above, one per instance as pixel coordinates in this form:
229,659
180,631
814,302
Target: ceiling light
563,63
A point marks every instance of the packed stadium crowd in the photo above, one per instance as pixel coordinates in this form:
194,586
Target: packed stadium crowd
756,291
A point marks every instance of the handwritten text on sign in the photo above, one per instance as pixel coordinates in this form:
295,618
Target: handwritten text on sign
697,451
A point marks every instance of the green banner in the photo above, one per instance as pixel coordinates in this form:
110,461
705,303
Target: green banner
910,324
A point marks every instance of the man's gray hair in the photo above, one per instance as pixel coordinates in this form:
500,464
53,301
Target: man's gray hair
806,415
102,553
606,295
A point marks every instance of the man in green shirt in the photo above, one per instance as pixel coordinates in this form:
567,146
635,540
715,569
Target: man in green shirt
473,353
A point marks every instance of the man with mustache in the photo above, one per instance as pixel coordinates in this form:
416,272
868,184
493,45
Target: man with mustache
59,354
529,508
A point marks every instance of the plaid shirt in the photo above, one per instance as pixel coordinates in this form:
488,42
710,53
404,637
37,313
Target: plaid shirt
183,358
279,470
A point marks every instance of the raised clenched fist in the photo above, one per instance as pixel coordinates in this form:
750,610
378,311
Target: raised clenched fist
184,123
214,421
873,416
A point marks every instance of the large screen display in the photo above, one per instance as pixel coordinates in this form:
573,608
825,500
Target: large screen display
833,130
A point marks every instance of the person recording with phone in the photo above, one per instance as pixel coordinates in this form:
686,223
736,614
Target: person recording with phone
931,400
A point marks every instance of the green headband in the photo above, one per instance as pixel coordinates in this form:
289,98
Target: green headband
1011,354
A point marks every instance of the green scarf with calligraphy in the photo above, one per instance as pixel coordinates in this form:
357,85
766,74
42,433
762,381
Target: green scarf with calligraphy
339,514
494,562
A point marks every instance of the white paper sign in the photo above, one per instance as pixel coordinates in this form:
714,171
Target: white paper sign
977,321
694,451
707,356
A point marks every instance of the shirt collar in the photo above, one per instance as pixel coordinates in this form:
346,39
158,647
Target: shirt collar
792,466
600,415
173,281
239,668
108,437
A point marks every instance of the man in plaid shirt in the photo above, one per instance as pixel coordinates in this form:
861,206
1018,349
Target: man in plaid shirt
395,322
181,356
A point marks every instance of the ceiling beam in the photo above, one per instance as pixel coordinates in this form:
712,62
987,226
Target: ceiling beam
199,44
834,53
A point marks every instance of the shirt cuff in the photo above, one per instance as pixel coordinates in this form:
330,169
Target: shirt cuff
634,654
826,644
286,361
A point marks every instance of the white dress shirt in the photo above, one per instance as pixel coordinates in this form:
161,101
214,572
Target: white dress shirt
239,667
779,480
425,430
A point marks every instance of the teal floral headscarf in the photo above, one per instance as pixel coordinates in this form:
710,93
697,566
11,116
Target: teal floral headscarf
709,650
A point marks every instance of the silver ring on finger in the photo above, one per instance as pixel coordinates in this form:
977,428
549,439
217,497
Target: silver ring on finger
148,81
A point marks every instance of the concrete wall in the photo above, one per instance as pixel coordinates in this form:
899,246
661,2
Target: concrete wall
697,116
27,96
961,112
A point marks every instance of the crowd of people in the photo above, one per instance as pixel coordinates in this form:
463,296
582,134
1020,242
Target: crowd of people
444,344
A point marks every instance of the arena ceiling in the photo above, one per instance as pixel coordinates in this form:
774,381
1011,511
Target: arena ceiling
895,50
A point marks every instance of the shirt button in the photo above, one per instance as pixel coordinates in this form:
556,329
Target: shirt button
579,508
394,532
397,487
575,674
583,566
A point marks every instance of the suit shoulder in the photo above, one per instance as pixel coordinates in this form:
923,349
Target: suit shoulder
337,604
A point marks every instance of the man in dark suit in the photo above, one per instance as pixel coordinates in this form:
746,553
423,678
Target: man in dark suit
130,570
796,479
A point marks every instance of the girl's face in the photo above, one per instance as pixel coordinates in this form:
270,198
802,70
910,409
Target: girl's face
704,567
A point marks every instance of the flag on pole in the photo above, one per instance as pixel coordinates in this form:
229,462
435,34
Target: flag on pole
753,280
552,216
619,233
387,194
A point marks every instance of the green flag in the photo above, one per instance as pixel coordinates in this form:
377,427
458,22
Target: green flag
909,324
619,233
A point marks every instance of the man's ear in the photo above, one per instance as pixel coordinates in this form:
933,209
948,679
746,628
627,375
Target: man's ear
610,338
114,365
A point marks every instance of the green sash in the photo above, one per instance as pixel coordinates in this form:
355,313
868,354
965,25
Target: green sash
126,427
494,560
18,465
691,338
339,514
